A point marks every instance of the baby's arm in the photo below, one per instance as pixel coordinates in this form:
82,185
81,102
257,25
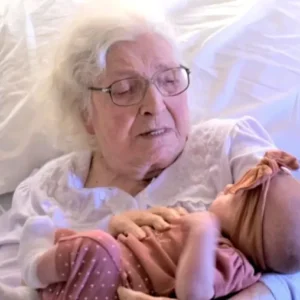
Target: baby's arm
233,272
36,252
196,268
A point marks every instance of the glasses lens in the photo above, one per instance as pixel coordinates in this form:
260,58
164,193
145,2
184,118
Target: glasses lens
127,91
173,81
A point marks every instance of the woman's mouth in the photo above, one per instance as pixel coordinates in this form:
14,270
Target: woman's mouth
155,132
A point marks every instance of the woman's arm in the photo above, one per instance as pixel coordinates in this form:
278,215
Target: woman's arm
283,286
257,291
128,294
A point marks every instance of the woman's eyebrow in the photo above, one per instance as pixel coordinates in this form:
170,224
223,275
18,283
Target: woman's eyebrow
164,66
132,72
123,72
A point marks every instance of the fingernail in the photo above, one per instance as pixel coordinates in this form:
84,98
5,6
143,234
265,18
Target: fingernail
165,226
141,236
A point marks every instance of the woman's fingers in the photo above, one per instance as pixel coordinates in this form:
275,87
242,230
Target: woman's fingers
132,228
157,217
168,213
127,294
153,220
123,224
182,211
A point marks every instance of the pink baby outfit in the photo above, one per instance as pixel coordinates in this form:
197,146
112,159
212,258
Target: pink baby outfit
92,265
157,256
88,265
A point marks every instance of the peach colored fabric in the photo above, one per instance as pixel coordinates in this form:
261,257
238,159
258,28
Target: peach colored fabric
92,265
263,217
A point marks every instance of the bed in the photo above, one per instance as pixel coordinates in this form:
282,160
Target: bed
244,57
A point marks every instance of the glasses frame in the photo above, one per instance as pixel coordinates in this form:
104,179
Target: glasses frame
147,82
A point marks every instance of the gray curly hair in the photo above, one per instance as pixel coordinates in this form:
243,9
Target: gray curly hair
80,57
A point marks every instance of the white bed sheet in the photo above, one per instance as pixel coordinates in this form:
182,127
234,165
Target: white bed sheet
5,202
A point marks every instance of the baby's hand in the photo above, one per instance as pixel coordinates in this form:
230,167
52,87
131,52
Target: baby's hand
224,208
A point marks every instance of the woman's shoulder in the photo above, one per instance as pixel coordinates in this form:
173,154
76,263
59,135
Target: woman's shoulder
217,127
219,131
57,171
75,162
50,182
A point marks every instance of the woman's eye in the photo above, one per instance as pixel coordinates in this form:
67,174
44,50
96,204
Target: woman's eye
130,86
121,88
123,91
168,81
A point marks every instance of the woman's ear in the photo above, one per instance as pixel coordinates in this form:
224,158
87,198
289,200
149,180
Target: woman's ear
88,123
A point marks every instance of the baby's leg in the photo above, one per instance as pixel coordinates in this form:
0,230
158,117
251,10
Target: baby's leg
85,270
195,272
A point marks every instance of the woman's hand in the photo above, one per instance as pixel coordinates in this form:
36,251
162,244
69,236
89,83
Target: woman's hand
257,291
127,294
157,217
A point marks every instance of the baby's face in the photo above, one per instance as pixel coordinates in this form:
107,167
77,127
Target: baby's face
222,202
223,207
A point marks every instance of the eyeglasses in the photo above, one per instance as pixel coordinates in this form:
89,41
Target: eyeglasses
131,91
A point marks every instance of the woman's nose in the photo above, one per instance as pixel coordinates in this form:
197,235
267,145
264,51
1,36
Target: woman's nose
153,102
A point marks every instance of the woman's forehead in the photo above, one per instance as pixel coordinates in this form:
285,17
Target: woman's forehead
147,53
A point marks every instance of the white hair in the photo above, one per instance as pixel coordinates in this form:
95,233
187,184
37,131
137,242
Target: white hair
80,57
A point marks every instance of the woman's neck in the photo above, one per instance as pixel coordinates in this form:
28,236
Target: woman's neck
101,175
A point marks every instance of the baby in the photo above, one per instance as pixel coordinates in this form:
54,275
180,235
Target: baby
190,260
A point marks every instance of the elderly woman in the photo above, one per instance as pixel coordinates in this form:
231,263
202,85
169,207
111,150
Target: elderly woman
120,85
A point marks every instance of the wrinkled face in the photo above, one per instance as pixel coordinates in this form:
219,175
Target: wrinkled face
146,137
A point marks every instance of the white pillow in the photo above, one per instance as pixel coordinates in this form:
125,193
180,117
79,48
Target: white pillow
204,26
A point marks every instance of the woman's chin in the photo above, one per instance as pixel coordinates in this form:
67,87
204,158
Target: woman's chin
161,156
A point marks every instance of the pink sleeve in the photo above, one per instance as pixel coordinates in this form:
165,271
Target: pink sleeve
233,271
